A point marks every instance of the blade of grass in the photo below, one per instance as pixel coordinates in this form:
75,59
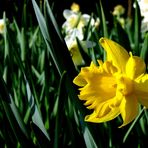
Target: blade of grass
89,141
42,140
82,51
32,97
133,124
144,50
121,36
58,109
13,115
50,13
137,27
44,30
105,29
36,117
34,36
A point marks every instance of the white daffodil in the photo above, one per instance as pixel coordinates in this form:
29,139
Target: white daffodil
2,26
73,28
72,45
143,4
73,33
75,20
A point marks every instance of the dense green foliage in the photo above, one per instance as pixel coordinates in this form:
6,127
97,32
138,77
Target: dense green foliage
39,106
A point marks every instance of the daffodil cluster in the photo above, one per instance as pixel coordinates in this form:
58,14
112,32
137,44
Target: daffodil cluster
116,87
74,27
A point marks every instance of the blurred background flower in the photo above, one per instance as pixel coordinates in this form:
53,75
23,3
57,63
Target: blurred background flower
143,4
2,26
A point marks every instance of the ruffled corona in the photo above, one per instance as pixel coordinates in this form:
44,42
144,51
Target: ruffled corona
115,87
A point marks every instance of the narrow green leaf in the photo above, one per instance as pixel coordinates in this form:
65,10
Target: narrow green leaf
44,30
50,14
144,50
88,30
132,125
13,115
38,122
36,117
42,140
58,108
137,27
89,141
83,50
34,37
105,29
41,20
121,36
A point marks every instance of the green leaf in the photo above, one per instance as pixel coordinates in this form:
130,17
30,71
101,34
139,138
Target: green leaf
50,14
34,37
83,50
58,108
132,125
41,21
144,50
89,141
104,27
44,30
103,19
137,29
121,36
13,115
42,140
36,117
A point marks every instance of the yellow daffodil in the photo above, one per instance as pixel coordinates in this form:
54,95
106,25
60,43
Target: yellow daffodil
2,26
115,87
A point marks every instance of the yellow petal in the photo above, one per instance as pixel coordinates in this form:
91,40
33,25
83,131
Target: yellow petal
106,111
115,53
135,67
129,109
112,114
141,89
79,80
